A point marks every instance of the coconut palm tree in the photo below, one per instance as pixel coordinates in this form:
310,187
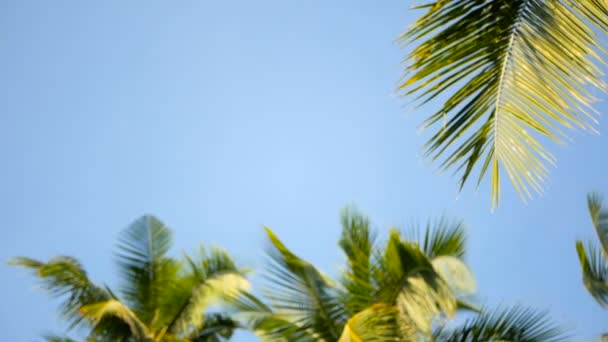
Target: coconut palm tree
160,298
508,72
403,289
592,258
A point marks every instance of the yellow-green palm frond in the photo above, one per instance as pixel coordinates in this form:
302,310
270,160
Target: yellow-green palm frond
407,279
64,277
97,312
511,72
377,323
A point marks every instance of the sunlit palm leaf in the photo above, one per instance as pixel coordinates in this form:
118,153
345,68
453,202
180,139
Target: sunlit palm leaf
407,279
512,70
376,323
595,272
65,277
303,293
145,270
98,311
206,278
514,324
189,321
456,274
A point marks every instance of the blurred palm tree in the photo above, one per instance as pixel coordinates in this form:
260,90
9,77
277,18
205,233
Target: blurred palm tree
160,299
593,258
404,289
508,72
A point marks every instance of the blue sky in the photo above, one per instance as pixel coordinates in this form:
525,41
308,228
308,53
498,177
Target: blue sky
224,116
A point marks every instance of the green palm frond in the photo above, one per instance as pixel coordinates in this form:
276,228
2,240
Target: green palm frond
599,218
303,293
189,321
145,269
516,324
64,277
443,237
57,338
268,325
595,272
357,243
406,278
217,327
512,71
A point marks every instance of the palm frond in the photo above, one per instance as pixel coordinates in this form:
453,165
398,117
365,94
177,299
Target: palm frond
57,338
376,323
357,243
456,274
303,293
113,308
144,267
217,327
516,324
268,325
443,237
64,277
189,321
513,71
596,11
406,278
599,218
595,272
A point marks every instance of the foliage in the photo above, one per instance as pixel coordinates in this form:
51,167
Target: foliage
397,290
510,72
160,299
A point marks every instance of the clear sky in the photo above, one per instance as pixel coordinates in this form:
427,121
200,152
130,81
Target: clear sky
224,116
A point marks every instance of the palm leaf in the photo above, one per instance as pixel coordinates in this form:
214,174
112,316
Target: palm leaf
190,320
205,279
376,323
357,243
406,278
516,324
65,277
268,325
303,293
145,270
595,272
217,327
599,218
512,71
442,237
113,308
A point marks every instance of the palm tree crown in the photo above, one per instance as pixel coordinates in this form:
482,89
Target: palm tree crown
403,289
160,298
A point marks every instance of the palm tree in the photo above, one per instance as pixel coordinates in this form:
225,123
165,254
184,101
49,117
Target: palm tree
160,299
593,259
404,289
508,73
